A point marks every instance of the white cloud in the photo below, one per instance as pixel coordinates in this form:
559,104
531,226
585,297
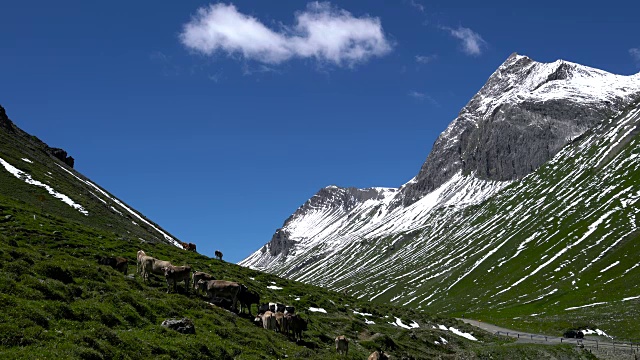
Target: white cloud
635,54
416,5
425,59
321,31
422,97
472,42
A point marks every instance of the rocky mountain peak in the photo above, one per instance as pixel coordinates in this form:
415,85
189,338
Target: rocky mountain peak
523,115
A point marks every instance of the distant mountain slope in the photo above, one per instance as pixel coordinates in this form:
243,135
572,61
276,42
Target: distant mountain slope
33,172
562,237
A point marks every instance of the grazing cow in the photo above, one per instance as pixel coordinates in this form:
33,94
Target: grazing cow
191,247
297,325
197,276
119,263
269,321
173,274
153,265
342,345
221,289
218,254
139,262
248,297
378,355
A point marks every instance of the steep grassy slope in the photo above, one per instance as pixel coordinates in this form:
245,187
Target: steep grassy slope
557,249
59,303
27,154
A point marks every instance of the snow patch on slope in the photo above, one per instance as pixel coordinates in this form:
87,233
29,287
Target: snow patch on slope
29,180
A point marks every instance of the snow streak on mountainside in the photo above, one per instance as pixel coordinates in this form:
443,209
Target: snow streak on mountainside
559,236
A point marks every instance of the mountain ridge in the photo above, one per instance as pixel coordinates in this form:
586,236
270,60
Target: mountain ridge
443,244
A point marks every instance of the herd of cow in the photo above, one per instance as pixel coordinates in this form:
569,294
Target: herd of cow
227,294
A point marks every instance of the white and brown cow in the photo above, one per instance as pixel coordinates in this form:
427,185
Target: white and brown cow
173,274
151,265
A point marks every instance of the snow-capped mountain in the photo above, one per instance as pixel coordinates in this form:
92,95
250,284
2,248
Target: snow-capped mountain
530,195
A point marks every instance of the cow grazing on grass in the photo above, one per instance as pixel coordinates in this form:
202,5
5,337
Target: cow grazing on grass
173,274
221,289
152,265
342,345
378,355
248,297
191,247
119,263
197,276
297,325
218,254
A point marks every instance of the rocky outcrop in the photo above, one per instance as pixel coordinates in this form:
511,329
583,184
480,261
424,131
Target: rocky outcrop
525,113
5,123
280,243
184,326
61,155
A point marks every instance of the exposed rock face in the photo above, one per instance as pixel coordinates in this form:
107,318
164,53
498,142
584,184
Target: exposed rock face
5,123
525,113
331,199
62,155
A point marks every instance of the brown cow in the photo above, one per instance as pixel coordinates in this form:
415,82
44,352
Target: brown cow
342,345
248,297
378,355
173,274
191,247
222,289
152,265
197,276
297,325
119,263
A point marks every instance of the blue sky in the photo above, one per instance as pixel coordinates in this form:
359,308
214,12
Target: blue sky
217,120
